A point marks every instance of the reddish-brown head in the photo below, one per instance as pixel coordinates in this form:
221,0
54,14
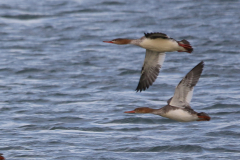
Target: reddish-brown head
141,110
203,117
1,157
119,41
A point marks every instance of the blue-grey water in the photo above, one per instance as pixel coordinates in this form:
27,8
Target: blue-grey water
64,91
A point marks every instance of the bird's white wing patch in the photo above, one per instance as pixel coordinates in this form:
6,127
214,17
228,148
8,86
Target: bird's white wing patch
184,91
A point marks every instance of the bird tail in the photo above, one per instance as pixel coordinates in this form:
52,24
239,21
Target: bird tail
186,45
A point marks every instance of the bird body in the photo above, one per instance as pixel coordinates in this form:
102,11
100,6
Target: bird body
180,114
160,45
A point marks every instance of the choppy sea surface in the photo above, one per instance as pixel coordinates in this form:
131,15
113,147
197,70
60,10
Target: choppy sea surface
64,91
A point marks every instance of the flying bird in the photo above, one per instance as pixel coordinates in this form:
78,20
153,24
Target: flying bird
178,107
156,44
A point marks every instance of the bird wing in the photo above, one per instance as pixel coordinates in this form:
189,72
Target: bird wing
184,90
156,35
150,69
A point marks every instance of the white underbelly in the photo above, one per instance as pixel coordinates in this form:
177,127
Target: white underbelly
180,115
160,45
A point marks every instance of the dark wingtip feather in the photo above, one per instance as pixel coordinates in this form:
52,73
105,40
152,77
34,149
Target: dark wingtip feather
199,66
197,71
139,89
142,86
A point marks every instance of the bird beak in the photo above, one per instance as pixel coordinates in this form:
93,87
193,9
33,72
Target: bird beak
130,112
108,41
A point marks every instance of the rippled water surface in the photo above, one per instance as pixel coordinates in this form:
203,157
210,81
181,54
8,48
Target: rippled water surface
64,91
